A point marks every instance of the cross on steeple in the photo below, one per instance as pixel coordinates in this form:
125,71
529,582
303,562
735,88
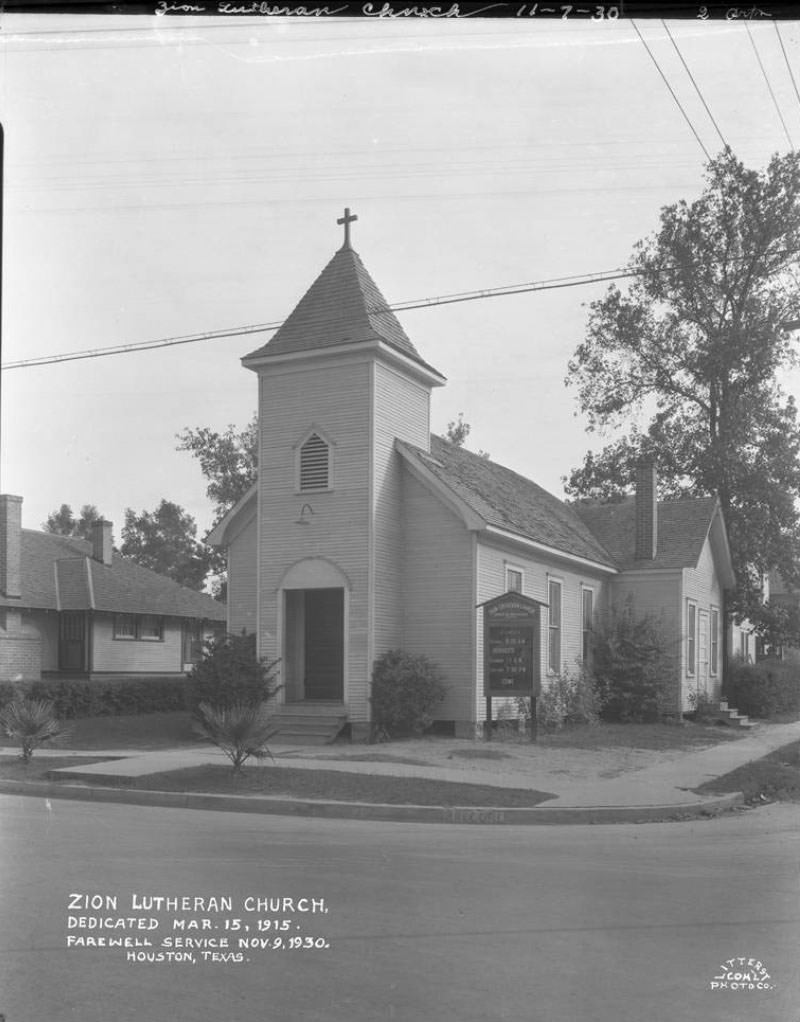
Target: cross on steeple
347,219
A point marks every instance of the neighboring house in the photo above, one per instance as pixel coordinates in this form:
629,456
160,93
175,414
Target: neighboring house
75,607
364,533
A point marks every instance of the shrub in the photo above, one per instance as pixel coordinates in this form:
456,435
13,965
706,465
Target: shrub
405,691
764,689
566,700
634,667
31,723
232,673
104,697
241,730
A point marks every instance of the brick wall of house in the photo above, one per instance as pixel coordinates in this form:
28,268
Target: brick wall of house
20,657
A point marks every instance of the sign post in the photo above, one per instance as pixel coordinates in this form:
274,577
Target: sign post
512,651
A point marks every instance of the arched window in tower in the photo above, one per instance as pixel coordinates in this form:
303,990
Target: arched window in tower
314,464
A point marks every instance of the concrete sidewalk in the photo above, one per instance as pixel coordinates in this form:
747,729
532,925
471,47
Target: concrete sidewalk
657,792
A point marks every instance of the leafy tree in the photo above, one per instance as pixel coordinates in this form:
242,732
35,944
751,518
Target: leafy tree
228,460
164,541
64,523
458,431
694,348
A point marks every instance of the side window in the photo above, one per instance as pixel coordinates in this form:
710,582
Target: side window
714,640
513,580
587,617
691,637
554,620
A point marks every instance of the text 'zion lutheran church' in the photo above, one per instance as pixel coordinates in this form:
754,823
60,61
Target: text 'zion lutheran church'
364,533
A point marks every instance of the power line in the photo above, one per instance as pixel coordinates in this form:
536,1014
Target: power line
766,79
671,91
694,83
785,57
415,303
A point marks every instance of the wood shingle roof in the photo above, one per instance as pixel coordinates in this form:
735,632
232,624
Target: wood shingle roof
509,501
343,306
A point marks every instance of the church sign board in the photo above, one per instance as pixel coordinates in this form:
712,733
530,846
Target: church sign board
511,660
511,652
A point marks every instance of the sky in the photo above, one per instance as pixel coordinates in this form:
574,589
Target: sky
166,177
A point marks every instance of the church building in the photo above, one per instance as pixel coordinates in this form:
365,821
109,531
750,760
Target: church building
364,533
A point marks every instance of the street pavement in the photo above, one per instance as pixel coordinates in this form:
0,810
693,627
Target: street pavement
598,923
665,788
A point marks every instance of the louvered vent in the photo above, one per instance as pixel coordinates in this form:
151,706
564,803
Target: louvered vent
314,464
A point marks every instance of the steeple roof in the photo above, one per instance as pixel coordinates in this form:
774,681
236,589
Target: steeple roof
343,306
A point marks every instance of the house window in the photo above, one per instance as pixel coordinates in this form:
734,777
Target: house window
554,618
150,628
513,580
142,627
714,640
744,646
587,615
315,464
691,637
124,626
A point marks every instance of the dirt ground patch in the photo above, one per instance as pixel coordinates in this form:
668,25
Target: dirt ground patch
605,751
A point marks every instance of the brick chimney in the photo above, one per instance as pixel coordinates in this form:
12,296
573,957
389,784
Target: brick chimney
102,548
646,511
10,546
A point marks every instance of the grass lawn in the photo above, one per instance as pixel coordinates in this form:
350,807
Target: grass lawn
337,786
13,769
775,778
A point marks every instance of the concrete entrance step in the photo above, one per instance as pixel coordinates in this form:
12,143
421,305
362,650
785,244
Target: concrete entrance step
309,725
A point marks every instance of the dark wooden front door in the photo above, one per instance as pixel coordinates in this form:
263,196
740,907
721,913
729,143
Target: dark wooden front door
324,644
72,641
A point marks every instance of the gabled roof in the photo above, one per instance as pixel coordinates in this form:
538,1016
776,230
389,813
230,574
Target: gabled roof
59,573
505,500
682,528
343,306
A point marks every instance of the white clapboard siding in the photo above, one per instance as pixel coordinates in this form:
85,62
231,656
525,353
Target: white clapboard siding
243,578
438,594
702,586
110,654
401,411
335,399
493,560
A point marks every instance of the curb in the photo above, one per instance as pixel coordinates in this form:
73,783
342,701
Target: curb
514,816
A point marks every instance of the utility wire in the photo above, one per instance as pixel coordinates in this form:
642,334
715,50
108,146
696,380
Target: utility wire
415,303
672,92
785,57
694,83
766,79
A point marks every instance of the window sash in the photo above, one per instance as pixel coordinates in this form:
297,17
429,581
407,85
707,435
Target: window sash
124,626
714,640
513,580
554,627
588,622
150,628
691,637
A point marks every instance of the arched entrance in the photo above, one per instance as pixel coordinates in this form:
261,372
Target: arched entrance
314,599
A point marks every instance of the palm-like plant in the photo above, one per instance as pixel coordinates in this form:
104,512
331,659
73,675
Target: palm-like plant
241,730
31,723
